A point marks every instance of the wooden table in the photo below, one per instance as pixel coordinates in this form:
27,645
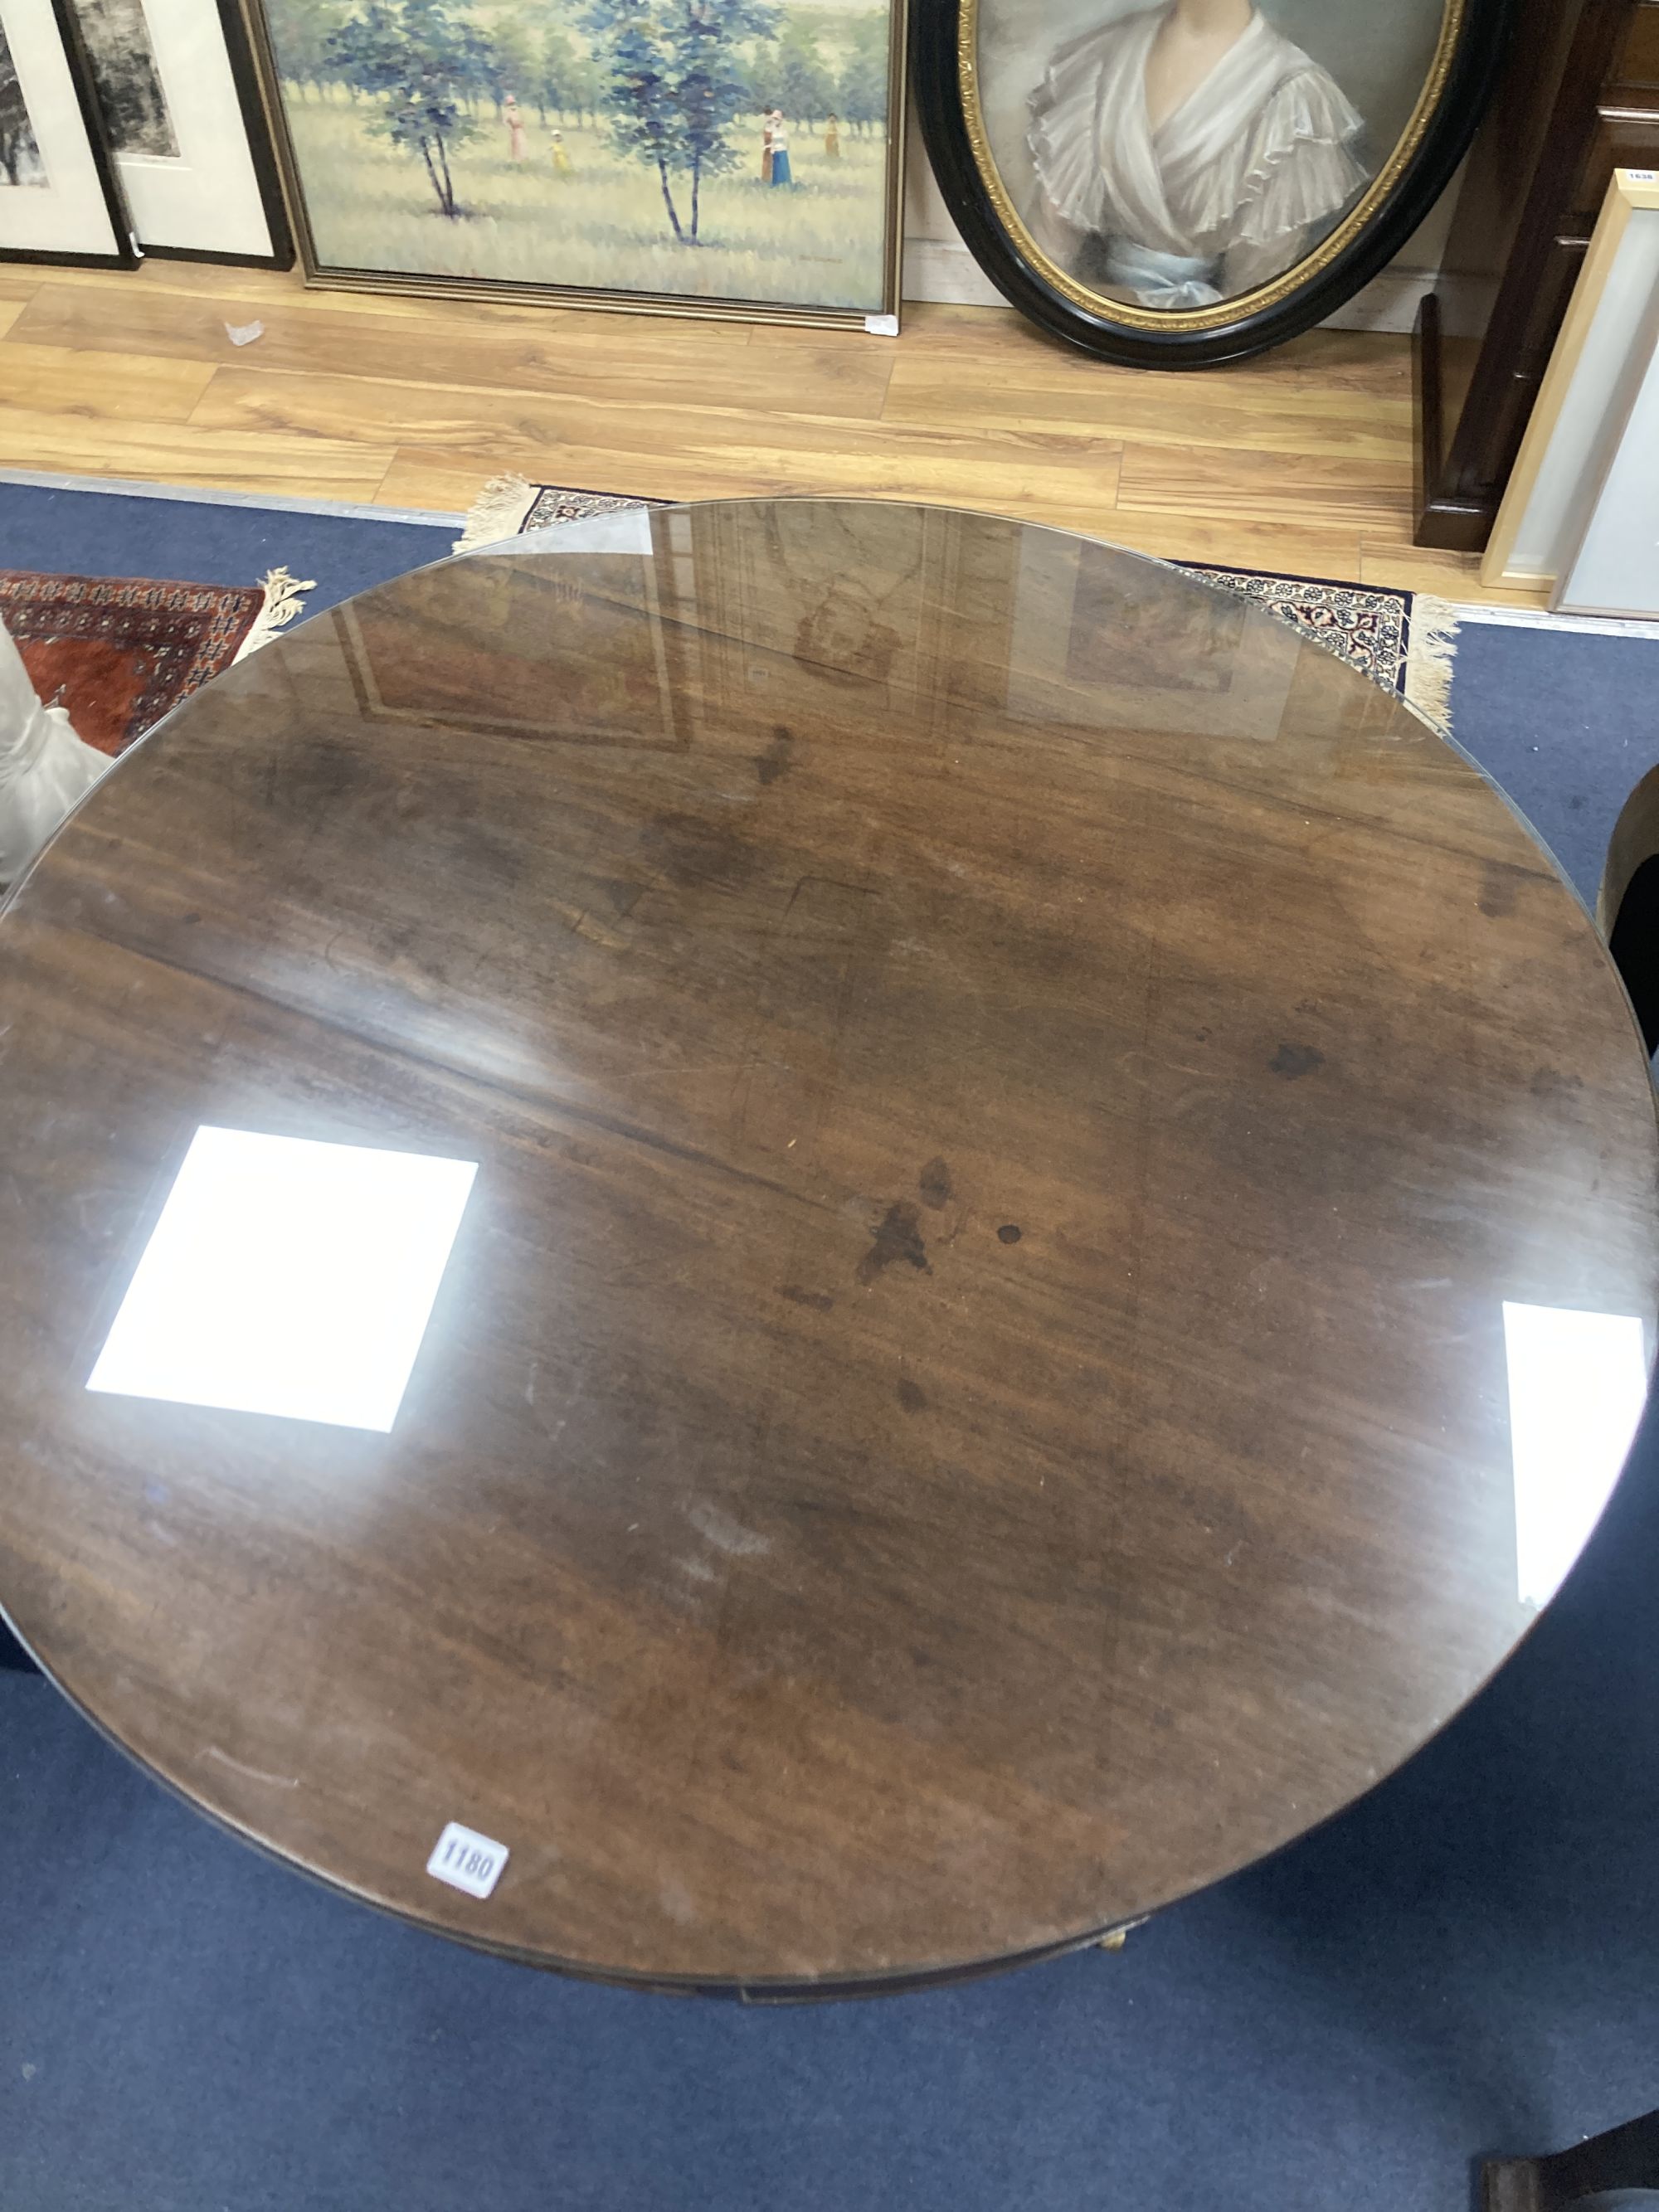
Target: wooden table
970,1398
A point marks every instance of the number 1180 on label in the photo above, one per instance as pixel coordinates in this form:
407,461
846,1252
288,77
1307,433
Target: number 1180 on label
466,1860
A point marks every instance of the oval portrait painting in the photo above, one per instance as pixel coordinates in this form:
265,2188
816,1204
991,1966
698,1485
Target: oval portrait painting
1190,181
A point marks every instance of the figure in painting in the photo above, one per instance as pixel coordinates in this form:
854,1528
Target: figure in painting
766,148
832,139
779,174
1188,152
561,158
518,146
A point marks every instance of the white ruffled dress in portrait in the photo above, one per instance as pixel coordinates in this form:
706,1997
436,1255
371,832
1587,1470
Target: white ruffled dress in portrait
1232,188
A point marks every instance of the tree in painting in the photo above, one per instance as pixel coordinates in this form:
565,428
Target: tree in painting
862,89
420,65
308,58
804,89
563,80
711,86
634,34
678,85
20,156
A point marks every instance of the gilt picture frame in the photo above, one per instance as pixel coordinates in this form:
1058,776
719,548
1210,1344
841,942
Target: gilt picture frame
1178,183
739,158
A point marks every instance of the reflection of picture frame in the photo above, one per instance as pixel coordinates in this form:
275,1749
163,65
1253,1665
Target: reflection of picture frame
1177,183
705,157
182,116
59,197
605,637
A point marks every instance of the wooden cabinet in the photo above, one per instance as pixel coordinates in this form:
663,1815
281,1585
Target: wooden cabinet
1578,98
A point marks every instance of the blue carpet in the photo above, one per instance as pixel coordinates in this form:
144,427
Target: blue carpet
1567,722
82,532
1466,1962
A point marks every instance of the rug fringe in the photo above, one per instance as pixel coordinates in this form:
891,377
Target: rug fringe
281,605
1430,657
498,512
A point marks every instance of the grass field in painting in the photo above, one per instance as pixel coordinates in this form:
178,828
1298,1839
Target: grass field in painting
602,227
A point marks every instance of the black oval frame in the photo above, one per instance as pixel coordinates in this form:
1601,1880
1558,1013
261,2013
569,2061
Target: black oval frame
1482,41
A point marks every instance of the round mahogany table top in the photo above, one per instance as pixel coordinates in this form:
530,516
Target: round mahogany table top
1016,1102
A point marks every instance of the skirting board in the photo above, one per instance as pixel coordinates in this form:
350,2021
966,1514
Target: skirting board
943,272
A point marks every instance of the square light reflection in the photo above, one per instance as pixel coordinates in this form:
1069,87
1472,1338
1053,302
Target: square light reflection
1577,1384
288,1277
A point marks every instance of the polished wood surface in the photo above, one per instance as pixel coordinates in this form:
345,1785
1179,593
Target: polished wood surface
1299,463
1010,1092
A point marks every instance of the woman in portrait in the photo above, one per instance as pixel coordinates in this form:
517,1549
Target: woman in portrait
1188,152
517,145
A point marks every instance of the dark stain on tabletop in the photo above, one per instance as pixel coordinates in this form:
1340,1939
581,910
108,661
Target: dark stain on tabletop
909,1396
774,761
1500,884
1009,1233
820,1301
935,1184
1551,1083
1293,1059
896,1235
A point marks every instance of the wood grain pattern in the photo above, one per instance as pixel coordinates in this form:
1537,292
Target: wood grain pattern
518,358
516,421
1130,404
1010,1092
99,387
1231,542
1297,489
180,453
1427,569
1057,484
969,407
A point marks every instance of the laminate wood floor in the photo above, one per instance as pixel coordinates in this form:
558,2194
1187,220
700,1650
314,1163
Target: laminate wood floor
1300,461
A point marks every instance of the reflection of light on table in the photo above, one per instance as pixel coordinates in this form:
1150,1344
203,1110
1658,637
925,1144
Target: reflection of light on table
1577,1382
288,1277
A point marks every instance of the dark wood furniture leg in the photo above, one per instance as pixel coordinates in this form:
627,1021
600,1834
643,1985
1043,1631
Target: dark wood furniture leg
1627,910
1627,2157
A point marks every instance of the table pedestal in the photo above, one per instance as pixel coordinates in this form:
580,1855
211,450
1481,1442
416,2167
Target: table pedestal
1625,2157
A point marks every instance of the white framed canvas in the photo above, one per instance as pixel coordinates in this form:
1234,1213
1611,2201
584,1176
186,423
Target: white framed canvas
182,120
1580,512
59,198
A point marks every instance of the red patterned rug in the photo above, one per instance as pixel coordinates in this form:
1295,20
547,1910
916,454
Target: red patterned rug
119,651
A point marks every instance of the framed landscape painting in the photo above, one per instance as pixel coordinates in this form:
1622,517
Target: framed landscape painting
704,156
1182,183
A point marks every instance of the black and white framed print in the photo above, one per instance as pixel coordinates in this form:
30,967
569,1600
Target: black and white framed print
59,197
1188,183
182,115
